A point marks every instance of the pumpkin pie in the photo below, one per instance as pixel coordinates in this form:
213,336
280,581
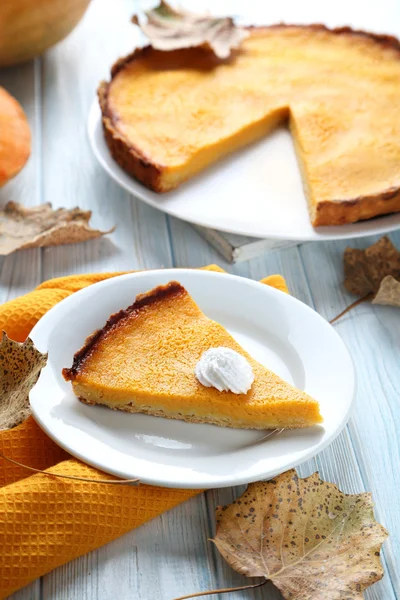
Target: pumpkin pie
143,361
169,115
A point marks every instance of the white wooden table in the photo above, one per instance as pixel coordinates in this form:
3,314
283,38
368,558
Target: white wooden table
171,556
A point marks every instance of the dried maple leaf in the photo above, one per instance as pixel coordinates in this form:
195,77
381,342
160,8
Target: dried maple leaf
365,269
170,29
37,226
20,366
389,292
307,537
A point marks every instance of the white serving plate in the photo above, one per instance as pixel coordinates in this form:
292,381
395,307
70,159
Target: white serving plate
281,332
255,192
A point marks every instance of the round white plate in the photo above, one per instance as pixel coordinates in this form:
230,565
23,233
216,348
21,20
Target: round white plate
256,192
279,331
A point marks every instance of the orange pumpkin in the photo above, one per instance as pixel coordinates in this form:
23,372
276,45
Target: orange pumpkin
29,27
15,137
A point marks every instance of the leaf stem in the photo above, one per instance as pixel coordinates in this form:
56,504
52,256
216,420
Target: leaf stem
75,477
352,305
223,591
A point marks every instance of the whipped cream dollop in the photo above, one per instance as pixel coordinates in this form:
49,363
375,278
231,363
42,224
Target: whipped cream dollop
224,369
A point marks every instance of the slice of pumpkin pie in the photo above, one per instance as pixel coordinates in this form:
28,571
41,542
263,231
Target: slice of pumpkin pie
162,356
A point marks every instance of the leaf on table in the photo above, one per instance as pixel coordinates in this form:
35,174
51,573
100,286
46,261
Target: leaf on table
170,29
364,270
311,540
389,292
20,367
373,274
32,227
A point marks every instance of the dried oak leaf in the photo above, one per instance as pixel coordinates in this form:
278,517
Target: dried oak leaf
20,367
33,227
307,537
365,270
171,29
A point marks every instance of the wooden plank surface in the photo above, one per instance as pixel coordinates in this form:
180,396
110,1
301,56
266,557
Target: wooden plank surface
171,556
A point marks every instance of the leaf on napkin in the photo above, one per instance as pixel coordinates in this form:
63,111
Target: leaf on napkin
20,366
311,540
170,29
33,227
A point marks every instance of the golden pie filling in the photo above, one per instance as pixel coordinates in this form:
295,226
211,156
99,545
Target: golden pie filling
168,115
144,360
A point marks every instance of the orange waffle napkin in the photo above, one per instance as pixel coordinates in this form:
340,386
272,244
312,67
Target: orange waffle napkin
47,521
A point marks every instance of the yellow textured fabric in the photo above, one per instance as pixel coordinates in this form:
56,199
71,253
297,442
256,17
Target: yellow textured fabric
17,317
46,521
276,281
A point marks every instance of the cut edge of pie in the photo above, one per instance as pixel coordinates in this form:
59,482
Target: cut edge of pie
271,403
161,178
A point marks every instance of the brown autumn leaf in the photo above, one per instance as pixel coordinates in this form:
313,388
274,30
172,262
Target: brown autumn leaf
389,292
170,29
373,274
364,270
20,367
32,227
307,537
